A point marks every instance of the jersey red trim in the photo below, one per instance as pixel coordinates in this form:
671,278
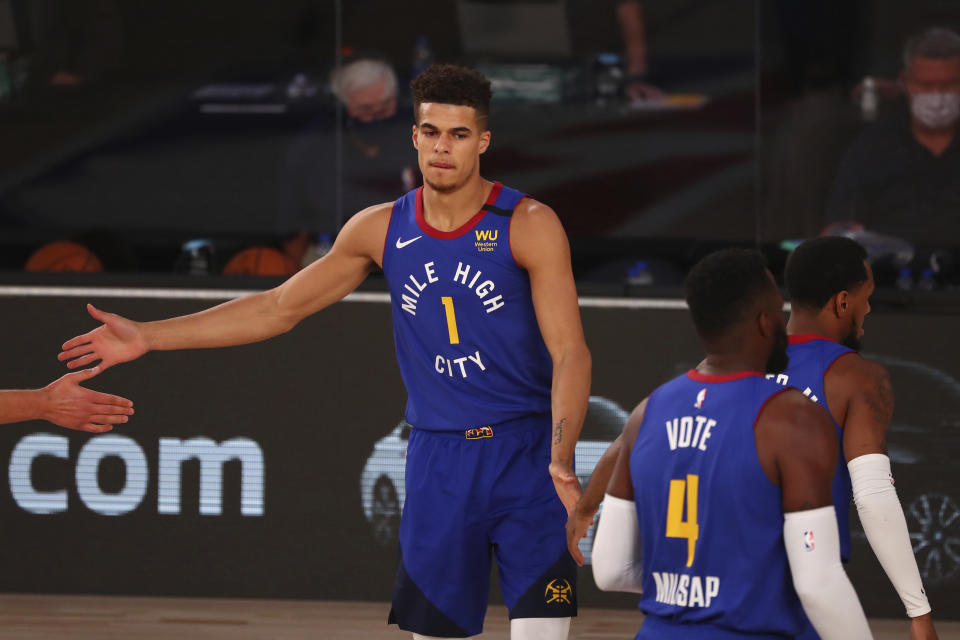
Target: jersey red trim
462,229
693,374
803,338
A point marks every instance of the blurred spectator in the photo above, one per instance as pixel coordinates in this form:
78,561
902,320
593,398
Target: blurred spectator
810,57
631,16
512,30
367,88
377,157
900,177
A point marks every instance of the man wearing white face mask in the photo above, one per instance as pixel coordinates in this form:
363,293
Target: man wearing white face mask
899,177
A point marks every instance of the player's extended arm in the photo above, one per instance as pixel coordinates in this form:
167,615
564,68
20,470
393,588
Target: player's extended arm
65,403
540,246
797,447
588,504
582,515
249,319
869,410
617,565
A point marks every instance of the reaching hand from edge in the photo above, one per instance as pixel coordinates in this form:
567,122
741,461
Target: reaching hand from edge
567,486
116,340
69,405
578,523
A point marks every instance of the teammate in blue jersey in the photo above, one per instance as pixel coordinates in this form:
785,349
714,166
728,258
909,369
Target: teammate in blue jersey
492,353
830,282
719,508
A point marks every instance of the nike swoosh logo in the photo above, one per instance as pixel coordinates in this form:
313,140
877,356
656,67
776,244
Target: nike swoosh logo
402,243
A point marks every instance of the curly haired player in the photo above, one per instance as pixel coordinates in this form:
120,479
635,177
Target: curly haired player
490,348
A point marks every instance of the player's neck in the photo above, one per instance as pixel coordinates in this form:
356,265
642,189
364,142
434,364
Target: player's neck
802,323
447,211
721,364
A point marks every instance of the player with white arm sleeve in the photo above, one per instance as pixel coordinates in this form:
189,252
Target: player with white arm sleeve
723,483
830,282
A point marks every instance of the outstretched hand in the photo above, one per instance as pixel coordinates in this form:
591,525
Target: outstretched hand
578,522
566,483
69,405
116,340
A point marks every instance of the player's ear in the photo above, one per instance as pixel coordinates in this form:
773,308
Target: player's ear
414,134
765,323
484,141
841,302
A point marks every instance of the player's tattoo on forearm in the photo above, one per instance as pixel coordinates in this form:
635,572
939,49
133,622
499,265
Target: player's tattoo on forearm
558,431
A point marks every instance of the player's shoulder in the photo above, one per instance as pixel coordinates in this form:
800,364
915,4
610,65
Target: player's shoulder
366,231
854,371
788,401
376,212
372,219
532,210
788,409
789,417
536,230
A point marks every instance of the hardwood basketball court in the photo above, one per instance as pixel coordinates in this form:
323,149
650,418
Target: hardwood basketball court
32,617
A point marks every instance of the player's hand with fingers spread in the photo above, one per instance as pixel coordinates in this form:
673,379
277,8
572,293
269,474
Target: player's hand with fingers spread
116,340
69,405
577,524
921,628
566,483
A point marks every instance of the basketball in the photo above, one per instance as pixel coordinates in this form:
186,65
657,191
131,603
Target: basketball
260,261
64,256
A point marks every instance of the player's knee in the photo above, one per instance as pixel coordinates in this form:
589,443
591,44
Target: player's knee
539,628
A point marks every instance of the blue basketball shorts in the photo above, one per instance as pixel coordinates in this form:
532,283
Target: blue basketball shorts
470,499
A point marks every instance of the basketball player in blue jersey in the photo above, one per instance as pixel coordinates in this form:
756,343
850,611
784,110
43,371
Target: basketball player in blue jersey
830,282
490,348
719,509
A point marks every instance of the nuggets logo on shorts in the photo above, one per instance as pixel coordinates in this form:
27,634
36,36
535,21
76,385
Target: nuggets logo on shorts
558,591
479,432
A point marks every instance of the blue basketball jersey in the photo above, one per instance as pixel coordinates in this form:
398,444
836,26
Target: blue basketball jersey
711,521
468,344
811,357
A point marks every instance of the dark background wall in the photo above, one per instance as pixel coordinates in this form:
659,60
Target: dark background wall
317,400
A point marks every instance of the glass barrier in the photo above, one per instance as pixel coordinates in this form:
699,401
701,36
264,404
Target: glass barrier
170,137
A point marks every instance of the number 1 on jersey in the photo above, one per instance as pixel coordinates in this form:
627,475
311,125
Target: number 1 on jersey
677,527
451,319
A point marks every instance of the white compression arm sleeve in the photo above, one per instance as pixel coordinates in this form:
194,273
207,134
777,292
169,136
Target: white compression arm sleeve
886,527
813,550
616,547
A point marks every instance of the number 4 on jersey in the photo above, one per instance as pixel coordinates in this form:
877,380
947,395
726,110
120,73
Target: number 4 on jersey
677,527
